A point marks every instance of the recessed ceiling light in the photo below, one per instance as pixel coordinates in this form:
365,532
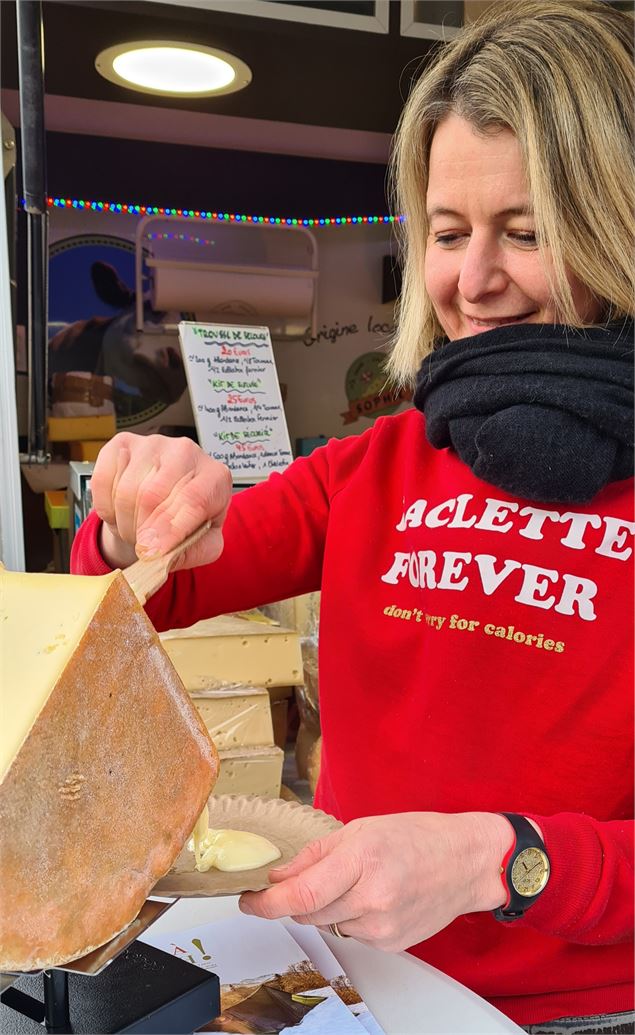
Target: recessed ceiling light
173,69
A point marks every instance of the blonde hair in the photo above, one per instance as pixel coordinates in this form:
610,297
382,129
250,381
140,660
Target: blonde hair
559,75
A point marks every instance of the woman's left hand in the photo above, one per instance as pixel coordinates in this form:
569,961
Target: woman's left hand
391,881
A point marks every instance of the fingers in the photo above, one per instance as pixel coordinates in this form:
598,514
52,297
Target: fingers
111,462
153,492
343,910
205,551
310,854
364,878
186,502
131,472
374,928
308,892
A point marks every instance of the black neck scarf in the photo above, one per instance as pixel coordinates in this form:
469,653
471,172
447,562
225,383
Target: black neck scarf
544,412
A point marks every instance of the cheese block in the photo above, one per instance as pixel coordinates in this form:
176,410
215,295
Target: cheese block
239,717
86,451
105,764
69,429
250,771
228,649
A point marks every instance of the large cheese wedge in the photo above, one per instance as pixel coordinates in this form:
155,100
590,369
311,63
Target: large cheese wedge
105,765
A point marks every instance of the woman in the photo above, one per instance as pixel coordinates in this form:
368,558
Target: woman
472,552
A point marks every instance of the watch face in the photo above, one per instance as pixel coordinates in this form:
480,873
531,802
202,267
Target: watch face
530,872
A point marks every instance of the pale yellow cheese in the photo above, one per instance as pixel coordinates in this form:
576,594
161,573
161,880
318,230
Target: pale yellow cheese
69,429
235,850
93,807
36,644
236,718
229,850
250,771
229,650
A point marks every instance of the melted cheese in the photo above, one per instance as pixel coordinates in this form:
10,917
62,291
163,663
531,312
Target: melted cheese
229,850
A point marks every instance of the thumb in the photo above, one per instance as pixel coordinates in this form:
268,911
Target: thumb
307,856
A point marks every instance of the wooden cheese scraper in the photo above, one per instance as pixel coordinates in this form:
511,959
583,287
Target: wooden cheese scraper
147,575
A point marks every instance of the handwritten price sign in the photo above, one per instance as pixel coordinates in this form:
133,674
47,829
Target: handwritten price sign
236,399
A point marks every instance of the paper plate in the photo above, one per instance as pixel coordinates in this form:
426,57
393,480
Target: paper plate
287,824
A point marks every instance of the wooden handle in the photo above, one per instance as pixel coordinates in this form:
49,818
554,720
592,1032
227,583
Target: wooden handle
146,576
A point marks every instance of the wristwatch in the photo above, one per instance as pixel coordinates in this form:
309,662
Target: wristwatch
524,870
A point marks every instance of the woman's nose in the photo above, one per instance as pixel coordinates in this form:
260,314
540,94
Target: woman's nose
482,271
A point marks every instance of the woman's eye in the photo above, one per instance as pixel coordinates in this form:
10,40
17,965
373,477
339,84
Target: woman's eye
447,239
527,237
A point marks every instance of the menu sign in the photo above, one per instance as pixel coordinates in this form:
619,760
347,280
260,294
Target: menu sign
236,400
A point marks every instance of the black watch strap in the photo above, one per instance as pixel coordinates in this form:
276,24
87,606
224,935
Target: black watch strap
525,836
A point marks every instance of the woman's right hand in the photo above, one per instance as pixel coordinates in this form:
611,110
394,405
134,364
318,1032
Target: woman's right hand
151,492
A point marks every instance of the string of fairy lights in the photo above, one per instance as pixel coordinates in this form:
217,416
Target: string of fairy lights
123,208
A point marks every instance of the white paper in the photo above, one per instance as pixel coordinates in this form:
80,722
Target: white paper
268,983
236,399
331,1016
235,949
316,949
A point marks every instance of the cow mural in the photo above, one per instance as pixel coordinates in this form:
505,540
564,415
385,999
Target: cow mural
146,367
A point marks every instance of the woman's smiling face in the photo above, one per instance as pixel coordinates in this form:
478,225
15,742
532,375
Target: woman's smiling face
482,266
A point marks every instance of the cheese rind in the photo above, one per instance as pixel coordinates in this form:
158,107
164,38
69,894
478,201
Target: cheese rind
103,791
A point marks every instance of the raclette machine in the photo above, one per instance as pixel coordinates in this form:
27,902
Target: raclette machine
125,986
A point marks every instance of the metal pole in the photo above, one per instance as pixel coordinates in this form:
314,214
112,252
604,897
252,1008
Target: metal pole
56,1009
31,82
11,530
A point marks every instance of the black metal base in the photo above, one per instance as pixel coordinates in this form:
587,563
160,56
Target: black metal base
142,990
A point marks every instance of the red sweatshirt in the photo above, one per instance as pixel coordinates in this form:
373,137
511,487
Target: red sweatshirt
475,655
